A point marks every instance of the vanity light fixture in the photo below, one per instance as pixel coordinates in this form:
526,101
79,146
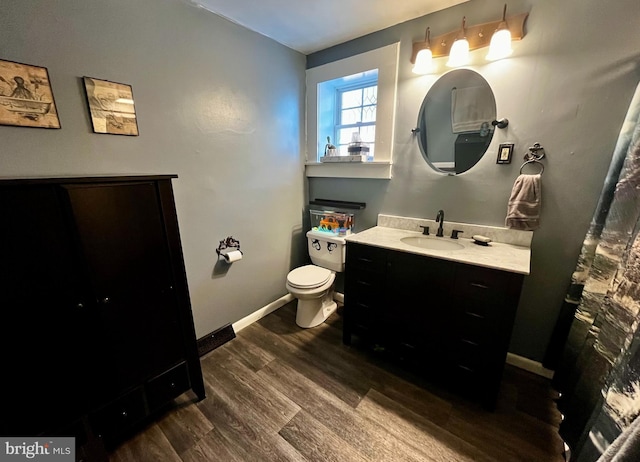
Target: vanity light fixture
477,36
459,54
424,59
500,46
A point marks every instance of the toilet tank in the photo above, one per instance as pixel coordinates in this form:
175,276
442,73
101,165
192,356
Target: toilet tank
326,250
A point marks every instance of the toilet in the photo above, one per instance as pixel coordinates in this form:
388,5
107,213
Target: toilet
312,285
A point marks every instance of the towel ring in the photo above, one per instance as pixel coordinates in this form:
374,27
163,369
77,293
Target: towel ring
533,161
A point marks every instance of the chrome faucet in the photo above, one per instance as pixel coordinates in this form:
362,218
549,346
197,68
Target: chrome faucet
440,219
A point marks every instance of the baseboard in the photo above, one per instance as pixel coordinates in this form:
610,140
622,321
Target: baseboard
270,308
529,365
515,360
215,339
262,312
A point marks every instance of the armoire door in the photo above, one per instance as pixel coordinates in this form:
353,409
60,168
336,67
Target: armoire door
122,239
44,315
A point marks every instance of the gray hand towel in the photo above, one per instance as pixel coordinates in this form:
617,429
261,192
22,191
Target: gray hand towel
523,209
625,448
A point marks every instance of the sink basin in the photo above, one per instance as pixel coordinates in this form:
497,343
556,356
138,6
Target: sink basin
433,243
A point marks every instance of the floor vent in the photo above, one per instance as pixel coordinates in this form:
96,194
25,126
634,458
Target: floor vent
215,339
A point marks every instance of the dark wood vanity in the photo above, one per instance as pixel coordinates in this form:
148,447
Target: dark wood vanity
449,321
97,331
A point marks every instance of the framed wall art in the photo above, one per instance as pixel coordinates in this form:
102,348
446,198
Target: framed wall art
26,97
505,152
111,107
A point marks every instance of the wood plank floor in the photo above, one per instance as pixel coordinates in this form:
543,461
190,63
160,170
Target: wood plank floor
281,393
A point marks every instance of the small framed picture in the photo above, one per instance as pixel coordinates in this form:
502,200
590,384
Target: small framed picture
26,97
505,152
111,107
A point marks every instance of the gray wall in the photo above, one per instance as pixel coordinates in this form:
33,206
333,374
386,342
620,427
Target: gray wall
218,105
568,86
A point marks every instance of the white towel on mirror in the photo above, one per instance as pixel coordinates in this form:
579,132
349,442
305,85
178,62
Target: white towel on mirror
470,108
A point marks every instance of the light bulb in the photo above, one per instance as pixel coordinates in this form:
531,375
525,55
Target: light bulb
424,62
500,46
459,54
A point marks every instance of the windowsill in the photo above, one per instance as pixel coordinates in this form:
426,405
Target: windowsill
373,170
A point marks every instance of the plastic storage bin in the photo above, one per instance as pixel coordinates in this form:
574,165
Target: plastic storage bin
337,223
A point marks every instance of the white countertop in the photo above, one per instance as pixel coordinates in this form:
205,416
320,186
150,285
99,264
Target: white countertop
497,255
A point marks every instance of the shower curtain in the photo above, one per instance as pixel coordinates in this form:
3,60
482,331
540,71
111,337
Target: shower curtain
599,372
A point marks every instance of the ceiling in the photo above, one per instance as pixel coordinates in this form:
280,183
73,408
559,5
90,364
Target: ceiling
311,25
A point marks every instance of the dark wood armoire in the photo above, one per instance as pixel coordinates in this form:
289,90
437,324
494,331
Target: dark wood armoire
97,333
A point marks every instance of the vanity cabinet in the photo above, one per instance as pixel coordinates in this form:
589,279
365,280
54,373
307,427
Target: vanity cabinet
449,321
97,330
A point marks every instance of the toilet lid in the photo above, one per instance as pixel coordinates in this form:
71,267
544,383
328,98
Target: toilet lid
308,276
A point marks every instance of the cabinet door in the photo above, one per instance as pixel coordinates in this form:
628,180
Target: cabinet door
419,306
121,235
43,331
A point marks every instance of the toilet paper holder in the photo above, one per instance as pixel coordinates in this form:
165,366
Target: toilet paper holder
228,245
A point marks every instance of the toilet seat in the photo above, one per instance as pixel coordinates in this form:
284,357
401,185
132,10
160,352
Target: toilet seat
308,277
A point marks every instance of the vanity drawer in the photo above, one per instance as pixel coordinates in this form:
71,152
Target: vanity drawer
469,353
366,257
365,283
466,380
481,284
363,310
360,317
167,386
473,327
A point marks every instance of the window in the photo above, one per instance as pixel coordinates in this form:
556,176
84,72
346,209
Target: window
356,114
348,105
355,94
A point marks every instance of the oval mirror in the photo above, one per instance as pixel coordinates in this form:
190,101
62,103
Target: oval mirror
454,121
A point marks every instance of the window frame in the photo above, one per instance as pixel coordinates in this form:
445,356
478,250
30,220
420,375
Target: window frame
385,60
361,84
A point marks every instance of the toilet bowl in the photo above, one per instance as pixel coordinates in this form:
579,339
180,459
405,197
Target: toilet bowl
312,284
313,287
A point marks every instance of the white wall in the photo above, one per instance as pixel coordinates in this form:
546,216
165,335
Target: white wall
218,105
568,86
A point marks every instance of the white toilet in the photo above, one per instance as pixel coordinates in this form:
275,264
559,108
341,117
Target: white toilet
312,285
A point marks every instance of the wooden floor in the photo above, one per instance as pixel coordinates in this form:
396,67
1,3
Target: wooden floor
278,392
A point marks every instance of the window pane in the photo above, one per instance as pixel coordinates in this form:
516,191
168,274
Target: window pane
351,116
343,150
352,98
344,137
369,114
368,133
370,95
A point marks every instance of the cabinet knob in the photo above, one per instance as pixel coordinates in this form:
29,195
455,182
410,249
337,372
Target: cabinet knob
105,300
172,385
124,414
79,305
